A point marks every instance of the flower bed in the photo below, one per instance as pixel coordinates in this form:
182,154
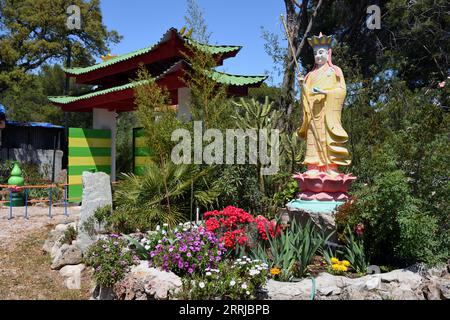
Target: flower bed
185,250
230,256
238,229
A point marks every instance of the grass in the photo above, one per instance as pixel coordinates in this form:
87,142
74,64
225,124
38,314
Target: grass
25,273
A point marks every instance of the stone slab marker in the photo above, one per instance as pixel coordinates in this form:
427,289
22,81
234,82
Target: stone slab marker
96,194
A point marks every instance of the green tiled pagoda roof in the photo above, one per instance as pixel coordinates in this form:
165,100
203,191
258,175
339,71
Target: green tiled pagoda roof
236,80
69,99
220,77
204,47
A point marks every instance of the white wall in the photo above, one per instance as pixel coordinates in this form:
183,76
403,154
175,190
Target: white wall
184,97
106,120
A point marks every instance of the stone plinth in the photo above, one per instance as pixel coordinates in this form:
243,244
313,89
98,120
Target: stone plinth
96,194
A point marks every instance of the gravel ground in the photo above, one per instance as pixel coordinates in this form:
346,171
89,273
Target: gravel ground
24,268
17,229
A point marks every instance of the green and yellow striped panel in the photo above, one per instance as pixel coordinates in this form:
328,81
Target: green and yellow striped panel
141,152
89,150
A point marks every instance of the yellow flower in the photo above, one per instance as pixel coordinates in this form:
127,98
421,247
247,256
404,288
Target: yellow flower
336,267
344,268
334,261
346,263
275,271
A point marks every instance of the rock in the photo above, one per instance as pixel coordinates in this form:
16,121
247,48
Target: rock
96,194
431,291
64,226
277,290
56,247
55,235
437,271
372,283
66,255
331,290
413,280
143,282
355,293
106,293
72,275
445,291
395,285
324,221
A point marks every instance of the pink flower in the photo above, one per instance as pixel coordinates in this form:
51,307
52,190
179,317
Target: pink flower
441,84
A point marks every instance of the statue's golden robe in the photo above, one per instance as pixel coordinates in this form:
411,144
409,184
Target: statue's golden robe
326,118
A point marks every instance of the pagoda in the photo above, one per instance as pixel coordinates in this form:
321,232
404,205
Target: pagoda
114,92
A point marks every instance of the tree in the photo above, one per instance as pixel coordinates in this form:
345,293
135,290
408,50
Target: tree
196,22
35,32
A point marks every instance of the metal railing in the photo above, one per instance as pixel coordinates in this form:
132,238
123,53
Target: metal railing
26,189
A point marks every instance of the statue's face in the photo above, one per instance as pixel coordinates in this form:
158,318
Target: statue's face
320,54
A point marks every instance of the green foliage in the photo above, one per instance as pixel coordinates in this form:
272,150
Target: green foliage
34,32
155,116
160,195
396,230
99,222
5,170
230,281
70,235
288,193
293,251
354,253
137,247
30,103
111,260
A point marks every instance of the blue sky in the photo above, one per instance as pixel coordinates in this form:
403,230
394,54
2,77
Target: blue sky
238,22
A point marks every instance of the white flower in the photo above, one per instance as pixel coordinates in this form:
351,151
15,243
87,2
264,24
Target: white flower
201,285
185,229
147,247
253,272
165,225
158,228
232,283
159,241
244,286
180,224
238,260
242,262
175,230
208,273
247,292
164,232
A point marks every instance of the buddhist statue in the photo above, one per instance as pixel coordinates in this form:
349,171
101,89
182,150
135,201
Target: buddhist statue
323,92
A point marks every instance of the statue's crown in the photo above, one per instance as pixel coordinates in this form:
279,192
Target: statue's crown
321,40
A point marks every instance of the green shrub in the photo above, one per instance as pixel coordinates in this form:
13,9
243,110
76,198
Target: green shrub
70,235
111,259
162,194
396,230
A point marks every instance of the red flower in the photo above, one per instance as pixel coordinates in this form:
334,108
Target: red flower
212,224
233,226
359,229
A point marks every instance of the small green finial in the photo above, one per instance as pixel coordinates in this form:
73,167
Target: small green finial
16,178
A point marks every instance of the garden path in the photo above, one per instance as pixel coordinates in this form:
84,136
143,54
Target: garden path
24,268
